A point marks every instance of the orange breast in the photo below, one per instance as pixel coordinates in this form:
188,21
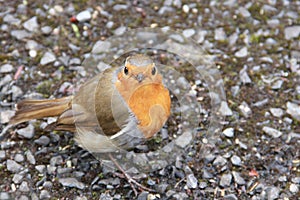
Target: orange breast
147,96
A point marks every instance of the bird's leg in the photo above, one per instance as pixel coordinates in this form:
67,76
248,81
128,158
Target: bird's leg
130,180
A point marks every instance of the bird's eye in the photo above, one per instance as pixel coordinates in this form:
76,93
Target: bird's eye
125,70
153,71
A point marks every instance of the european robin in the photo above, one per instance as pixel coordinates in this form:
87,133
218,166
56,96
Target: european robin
128,100
116,109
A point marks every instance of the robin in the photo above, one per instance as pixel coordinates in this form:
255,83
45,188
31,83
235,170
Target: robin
117,109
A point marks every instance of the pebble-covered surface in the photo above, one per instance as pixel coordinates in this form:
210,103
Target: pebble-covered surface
257,49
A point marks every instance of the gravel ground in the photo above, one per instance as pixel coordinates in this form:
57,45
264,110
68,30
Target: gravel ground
256,48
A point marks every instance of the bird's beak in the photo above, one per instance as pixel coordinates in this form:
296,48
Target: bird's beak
140,77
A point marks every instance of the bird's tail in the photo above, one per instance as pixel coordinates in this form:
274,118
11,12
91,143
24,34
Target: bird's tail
37,109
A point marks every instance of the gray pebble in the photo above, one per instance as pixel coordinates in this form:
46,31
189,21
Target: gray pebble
7,78
10,19
2,155
238,179
20,34
47,58
261,103
5,196
296,180
229,132
272,132
244,12
109,24
19,158
244,77
294,110
56,160
276,112
27,132
30,157
188,33
177,38
5,116
294,188
40,168
24,187
51,170
184,139
277,84
220,34
191,181
243,52
46,30
31,24
32,45
17,178
43,140
182,83
272,193
13,166
71,182
180,196
101,46
82,198
230,197
119,7
245,109
48,184
291,32
120,30
224,109
282,178
6,68
202,185
161,188
225,180
219,161
45,194
16,92
84,16
206,174
23,197
235,160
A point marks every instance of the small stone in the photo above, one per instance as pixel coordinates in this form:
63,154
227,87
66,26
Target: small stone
120,31
119,7
40,168
2,154
71,182
230,197
24,187
16,92
6,115
19,158
244,12
272,132
291,32
101,47
46,30
17,178
224,109
245,109
220,34
48,184
243,52
185,8
5,196
45,194
43,140
282,179
31,24
272,193
184,139
191,181
229,132
84,16
225,180
10,19
13,166
30,157
261,103
219,161
56,160
6,68
27,132
294,110
202,185
32,45
294,188
238,179
109,24
206,174
244,77
188,33
47,58
277,84
20,34
235,160
276,112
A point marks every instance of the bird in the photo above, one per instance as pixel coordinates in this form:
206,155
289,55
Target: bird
117,109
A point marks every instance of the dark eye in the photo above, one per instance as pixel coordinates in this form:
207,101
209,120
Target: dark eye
153,71
125,70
